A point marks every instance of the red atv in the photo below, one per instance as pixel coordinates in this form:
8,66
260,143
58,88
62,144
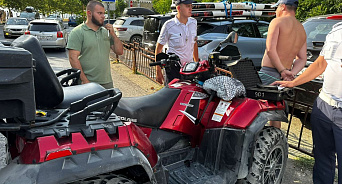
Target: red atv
184,133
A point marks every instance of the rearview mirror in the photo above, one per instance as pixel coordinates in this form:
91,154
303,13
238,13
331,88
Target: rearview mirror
231,38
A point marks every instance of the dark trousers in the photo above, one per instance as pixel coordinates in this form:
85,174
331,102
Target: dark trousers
326,124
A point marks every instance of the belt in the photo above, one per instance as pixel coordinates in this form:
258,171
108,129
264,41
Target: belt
325,97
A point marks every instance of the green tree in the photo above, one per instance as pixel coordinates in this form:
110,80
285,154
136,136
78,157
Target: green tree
120,6
162,6
309,8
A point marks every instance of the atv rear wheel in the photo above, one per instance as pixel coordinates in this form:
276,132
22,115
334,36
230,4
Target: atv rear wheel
106,179
270,157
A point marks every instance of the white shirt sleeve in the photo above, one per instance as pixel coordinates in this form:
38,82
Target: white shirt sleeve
163,36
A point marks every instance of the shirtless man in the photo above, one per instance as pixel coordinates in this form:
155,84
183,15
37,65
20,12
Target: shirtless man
286,41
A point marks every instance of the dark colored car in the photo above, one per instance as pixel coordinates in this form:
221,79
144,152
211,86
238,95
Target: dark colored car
72,21
316,29
137,11
252,38
152,27
29,15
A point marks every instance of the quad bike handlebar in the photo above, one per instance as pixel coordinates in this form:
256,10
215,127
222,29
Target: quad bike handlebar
156,63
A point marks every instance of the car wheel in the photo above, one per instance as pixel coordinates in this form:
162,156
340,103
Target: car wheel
136,38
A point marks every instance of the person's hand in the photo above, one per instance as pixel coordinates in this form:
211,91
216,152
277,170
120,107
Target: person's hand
110,28
286,84
287,75
159,76
85,81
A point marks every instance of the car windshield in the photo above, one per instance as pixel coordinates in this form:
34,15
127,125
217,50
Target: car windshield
17,22
317,29
44,27
27,15
119,22
207,28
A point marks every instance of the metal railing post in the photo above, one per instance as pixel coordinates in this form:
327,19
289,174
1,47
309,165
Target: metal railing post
134,64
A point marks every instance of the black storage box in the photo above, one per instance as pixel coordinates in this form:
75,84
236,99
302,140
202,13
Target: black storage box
17,98
245,71
267,93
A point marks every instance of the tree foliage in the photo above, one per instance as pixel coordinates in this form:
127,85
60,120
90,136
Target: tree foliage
309,8
162,6
120,5
47,6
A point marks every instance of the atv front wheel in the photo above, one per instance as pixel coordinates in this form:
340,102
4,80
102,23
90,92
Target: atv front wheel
270,157
106,179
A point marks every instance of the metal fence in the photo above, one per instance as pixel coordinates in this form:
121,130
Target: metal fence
138,59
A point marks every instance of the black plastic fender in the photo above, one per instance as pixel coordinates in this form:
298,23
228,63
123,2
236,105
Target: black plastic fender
251,135
75,167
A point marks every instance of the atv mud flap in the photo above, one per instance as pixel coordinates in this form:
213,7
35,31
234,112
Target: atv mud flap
75,167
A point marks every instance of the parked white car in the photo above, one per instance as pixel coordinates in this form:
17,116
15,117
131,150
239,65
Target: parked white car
129,29
50,33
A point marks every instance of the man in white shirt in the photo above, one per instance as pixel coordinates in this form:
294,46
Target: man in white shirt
180,33
326,116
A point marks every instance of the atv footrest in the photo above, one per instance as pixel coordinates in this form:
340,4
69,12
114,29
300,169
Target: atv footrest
193,173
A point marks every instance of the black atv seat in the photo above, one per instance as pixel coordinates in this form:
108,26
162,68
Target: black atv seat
150,110
75,93
49,93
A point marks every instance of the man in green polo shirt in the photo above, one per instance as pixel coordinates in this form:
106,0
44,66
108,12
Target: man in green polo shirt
89,46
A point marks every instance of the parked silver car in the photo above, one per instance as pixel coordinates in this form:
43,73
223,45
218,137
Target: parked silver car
252,38
129,29
50,33
15,27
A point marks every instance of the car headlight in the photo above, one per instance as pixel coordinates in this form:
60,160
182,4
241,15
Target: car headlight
201,43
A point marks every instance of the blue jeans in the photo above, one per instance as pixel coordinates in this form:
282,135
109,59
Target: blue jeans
326,124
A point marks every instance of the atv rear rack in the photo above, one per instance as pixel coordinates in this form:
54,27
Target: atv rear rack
82,116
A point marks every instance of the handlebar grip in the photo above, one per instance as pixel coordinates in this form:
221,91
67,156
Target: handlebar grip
225,57
155,63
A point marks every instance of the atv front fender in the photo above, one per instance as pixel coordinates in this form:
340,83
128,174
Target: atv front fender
76,167
251,135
